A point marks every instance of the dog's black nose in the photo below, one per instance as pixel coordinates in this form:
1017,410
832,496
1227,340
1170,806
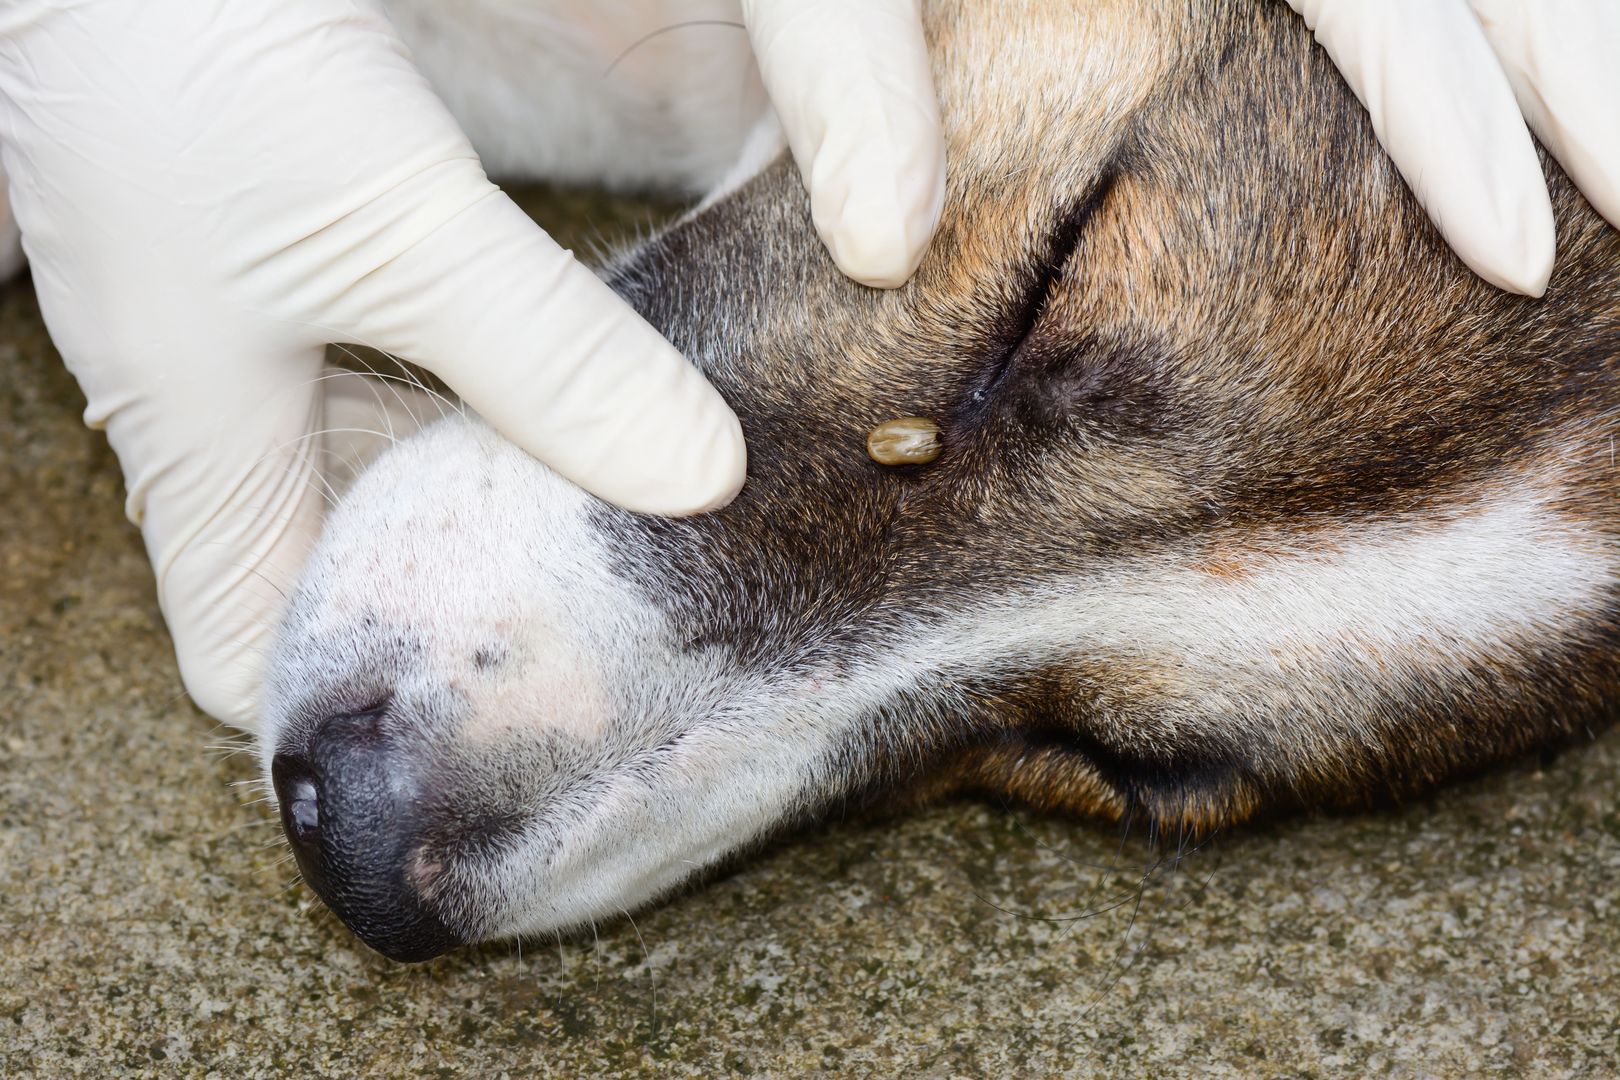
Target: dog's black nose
350,806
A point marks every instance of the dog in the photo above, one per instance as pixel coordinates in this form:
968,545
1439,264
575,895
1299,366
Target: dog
1249,498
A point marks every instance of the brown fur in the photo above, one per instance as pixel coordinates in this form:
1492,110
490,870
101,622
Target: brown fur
1180,304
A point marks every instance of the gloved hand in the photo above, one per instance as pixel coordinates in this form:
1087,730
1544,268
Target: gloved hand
209,192
1440,81
850,82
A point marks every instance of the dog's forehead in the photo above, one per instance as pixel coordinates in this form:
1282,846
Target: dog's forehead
1034,110
1045,96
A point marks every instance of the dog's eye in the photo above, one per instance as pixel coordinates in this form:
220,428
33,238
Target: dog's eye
1058,372
1013,339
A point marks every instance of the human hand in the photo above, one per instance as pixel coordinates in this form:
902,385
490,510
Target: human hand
851,83
1449,85
209,192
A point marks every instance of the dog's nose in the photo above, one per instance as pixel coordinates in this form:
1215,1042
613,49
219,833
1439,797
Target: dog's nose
350,806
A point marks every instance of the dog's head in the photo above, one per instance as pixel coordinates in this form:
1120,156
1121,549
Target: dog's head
1249,495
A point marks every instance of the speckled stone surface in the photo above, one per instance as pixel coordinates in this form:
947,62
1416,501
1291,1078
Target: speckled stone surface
150,926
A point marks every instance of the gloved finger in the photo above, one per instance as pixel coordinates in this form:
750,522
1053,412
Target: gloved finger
851,83
1442,107
223,479
1560,57
366,414
12,259
555,360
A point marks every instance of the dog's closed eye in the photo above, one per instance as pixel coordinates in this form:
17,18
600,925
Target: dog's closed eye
1043,276
1039,379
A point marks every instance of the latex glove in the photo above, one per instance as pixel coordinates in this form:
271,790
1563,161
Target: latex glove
209,191
851,83
1449,88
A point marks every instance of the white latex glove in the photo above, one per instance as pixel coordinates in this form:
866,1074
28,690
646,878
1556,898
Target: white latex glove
851,83
1449,88
209,191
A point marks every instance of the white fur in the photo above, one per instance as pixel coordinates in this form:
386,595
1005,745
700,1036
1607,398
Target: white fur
763,145
649,93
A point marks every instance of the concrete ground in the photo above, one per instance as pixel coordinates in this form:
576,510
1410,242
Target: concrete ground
149,925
